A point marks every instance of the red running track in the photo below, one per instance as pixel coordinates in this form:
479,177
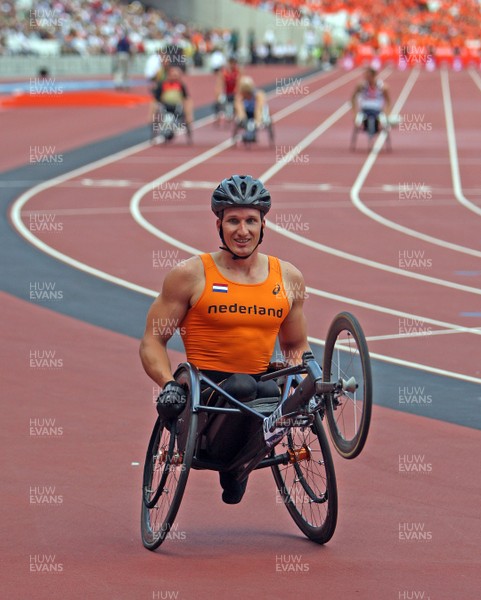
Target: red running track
420,290
99,420
101,554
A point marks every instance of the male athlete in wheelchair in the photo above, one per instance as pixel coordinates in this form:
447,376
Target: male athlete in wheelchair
171,109
226,83
371,104
228,407
251,113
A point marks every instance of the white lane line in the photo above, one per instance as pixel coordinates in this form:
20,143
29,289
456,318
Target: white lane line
299,187
18,223
370,263
419,334
392,312
412,365
98,210
323,91
453,153
106,182
305,142
355,190
140,193
137,215
476,78
275,168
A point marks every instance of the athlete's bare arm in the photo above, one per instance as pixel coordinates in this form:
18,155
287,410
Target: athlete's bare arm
219,84
259,109
188,110
293,331
387,100
354,99
239,109
180,290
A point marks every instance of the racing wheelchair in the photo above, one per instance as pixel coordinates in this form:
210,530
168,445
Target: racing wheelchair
288,436
246,131
371,122
168,120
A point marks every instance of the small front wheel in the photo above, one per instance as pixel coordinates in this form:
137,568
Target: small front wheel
349,413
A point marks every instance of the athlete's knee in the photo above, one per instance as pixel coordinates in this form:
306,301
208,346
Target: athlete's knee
243,387
268,389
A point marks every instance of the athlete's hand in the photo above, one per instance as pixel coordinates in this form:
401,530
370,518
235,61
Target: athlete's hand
171,401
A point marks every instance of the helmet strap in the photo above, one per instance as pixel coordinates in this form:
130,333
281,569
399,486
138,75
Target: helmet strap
233,254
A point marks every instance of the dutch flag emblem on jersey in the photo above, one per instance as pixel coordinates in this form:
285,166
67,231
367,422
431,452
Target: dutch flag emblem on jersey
220,287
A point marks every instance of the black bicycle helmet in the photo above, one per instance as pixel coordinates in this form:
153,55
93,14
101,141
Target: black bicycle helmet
240,191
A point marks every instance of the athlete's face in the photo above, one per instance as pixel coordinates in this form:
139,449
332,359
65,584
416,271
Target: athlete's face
242,229
174,74
371,77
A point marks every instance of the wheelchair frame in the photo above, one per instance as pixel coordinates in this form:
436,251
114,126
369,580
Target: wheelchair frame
168,122
368,130
249,125
296,423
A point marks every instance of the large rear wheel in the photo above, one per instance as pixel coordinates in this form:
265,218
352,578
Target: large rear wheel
307,484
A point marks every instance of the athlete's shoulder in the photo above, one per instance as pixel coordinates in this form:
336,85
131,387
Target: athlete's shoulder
183,280
294,284
290,272
186,270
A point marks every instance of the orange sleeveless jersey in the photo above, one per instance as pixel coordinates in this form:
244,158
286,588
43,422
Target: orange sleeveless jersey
233,326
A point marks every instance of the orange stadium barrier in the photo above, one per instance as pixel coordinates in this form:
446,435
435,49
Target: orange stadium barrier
74,99
406,33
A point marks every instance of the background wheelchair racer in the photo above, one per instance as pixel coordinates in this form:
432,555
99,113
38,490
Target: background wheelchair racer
171,95
227,80
250,109
371,99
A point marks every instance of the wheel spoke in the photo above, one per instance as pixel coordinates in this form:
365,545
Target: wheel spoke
304,482
166,471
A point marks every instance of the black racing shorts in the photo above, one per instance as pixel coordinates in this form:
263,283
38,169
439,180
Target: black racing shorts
224,435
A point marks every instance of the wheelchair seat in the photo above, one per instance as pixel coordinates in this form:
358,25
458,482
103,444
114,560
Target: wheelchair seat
264,405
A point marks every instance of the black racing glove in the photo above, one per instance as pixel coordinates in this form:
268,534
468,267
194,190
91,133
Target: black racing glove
171,401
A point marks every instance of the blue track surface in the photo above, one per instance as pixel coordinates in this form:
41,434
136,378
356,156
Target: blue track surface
52,85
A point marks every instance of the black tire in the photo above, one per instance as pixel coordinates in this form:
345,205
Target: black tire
346,355
153,132
156,126
166,469
308,485
353,145
388,141
270,134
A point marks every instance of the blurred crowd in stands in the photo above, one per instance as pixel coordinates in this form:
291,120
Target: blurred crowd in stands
95,27
331,28
395,23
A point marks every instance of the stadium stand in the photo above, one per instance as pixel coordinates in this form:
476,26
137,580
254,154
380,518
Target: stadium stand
90,28
404,31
